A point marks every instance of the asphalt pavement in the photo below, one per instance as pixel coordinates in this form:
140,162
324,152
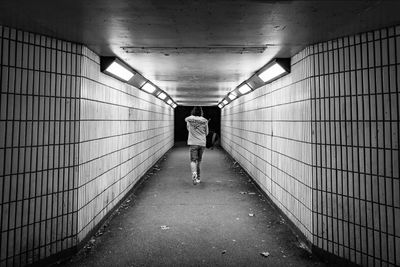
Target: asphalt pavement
168,221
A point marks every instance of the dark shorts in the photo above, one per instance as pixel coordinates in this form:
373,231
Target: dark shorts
196,153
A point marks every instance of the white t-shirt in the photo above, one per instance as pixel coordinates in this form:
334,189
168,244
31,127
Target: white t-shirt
198,130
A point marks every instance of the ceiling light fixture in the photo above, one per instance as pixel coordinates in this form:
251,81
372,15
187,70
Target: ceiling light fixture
220,105
232,95
162,95
174,105
169,101
116,68
275,69
225,101
149,88
244,89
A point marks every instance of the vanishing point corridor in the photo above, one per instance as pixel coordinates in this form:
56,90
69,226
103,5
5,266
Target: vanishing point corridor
302,98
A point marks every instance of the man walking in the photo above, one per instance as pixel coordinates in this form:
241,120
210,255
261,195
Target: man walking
197,126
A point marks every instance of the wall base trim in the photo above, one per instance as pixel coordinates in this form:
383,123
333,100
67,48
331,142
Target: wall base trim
331,258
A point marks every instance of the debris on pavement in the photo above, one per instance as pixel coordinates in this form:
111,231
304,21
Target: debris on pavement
302,245
251,214
265,254
248,193
90,244
164,227
99,233
223,252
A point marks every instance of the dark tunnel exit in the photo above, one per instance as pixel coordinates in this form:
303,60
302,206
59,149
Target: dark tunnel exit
181,112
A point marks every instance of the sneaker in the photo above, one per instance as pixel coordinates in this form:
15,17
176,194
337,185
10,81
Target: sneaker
198,180
194,178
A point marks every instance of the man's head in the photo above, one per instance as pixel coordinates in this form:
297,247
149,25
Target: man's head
197,111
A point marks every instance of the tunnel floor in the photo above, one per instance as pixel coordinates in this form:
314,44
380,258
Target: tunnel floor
168,221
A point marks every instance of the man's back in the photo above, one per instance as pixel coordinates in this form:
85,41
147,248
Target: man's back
198,130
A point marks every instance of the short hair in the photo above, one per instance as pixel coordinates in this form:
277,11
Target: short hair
197,111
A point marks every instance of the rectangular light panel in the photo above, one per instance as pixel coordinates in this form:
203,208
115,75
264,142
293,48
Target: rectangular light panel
162,95
120,71
245,88
225,102
232,96
272,72
149,88
169,102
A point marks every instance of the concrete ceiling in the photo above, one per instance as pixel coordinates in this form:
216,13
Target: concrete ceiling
197,50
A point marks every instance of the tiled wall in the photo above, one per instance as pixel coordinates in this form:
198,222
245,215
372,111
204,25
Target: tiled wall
39,133
269,133
356,124
123,132
73,142
337,142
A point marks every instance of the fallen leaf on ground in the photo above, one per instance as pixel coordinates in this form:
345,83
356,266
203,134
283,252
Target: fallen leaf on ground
223,252
164,227
265,254
251,214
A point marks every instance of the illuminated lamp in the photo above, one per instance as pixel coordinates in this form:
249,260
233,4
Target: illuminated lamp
149,88
275,69
117,68
244,89
232,95
162,95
